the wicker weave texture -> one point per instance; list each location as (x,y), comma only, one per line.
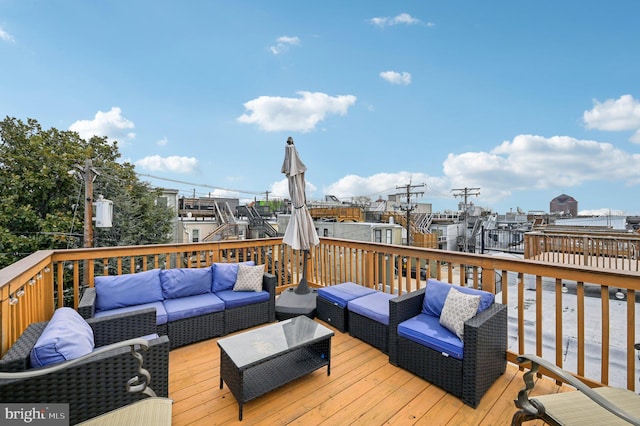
(332,314)
(370,331)
(194,329)
(95,386)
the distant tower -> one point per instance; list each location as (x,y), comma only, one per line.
(564,204)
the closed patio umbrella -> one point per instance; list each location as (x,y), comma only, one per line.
(300,233)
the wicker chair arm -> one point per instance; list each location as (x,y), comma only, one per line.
(402,308)
(87,304)
(129,325)
(535,407)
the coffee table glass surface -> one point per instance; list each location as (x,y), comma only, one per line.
(256,346)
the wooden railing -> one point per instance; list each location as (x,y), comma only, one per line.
(541,312)
(612,250)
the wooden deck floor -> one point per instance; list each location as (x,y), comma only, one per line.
(363,389)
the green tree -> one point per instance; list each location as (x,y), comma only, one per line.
(42,204)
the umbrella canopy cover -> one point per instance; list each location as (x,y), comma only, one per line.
(300,233)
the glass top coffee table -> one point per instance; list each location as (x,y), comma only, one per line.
(257,361)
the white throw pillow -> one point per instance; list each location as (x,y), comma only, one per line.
(249,278)
(458,308)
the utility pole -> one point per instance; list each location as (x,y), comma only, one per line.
(267,194)
(465,192)
(88,176)
(409,208)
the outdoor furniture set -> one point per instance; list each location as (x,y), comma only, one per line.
(454,337)
(192,304)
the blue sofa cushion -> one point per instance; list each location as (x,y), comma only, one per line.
(161,313)
(427,331)
(66,336)
(118,291)
(233,299)
(225,275)
(374,306)
(181,282)
(193,306)
(341,294)
(436,294)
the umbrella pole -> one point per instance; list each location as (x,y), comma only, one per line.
(303,286)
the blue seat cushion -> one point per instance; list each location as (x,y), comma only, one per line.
(66,336)
(341,294)
(225,275)
(181,282)
(436,294)
(374,306)
(233,299)
(161,313)
(427,331)
(192,306)
(118,291)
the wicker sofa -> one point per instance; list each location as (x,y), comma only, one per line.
(465,368)
(192,304)
(94,383)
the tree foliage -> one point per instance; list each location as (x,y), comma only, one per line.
(42,204)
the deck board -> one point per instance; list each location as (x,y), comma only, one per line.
(363,389)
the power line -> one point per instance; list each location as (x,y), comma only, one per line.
(203,185)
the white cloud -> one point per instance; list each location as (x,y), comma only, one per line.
(273,113)
(382,183)
(526,163)
(615,115)
(283,44)
(163,142)
(5,36)
(403,18)
(175,164)
(395,77)
(110,124)
(535,162)
(280,189)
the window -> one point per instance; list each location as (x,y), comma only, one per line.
(377,236)
(326,232)
(195,235)
(389,236)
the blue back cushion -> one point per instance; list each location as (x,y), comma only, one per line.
(182,282)
(225,275)
(436,294)
(66,336)
(118,291)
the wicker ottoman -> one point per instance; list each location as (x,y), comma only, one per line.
(369,319)
(332,303)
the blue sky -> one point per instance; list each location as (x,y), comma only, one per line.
(524,100)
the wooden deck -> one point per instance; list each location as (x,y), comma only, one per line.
(363,389)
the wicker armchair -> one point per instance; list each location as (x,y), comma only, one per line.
(484,356)
(95,383)
(586,406)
